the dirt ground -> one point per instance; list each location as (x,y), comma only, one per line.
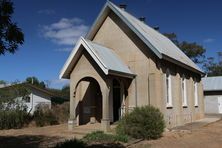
(204,137)
(209,136)
(34,136)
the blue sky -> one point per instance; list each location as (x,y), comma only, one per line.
(51,28)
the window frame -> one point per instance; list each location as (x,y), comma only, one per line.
(184,91)
(168,81)
(27,99)
(196,98)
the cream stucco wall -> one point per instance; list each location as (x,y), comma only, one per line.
(149,85)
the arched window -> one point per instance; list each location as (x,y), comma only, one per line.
(168,89)
(195,93)
(184,91)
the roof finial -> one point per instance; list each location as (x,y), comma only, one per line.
(123,6)
(157,28)
(142,19)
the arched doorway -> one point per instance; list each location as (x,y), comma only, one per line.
(89,101)
(116,100)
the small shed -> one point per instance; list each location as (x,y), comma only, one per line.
(213,94)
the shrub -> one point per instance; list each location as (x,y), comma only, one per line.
(44,116)
(61,111)
(143,122)
(101,137)
(71,144)
(13,119)
(121,138)
(13,115)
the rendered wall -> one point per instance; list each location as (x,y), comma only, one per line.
(149,85)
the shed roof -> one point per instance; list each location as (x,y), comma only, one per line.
(158,43)
(106,59)
(212,83)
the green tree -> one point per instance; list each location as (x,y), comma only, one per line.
(66,92)
(193,50)
(212,67)
(61,95)
(11,35)
(2,82)
(35,81)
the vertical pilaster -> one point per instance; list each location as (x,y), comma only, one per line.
(72,117)
(105,123)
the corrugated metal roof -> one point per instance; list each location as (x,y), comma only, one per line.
(110,60)
(106,59)
(158,42)
(212,83)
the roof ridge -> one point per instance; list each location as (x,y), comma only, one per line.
(162,46)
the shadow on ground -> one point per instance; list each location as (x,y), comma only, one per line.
(26,141)
(108,145)
(39,141)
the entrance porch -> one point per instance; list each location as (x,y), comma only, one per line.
(94,103)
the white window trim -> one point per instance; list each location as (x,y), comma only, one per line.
(169,93)
(195,94)
(184,91)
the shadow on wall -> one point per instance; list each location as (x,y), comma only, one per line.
(90,105)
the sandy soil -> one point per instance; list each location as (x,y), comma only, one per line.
(204,137)
(209,136)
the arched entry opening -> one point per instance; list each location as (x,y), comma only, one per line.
(89,101)
(117,99)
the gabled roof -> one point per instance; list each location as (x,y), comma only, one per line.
(158,43)
(212,83)
(105,58)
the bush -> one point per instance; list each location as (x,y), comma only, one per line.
(44,116)
(71,144)
(101,137)
(14,117)
(61,112)
(143,122)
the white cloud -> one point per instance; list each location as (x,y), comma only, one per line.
(65,31)
(66,49)
(208,40)
(46,11)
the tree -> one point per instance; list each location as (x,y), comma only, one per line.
(66,92)
(61,95)
(213,68)
(11,35)
(35,81)
(2,82)
(193,50)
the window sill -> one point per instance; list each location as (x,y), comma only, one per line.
(185,106)
(169,106)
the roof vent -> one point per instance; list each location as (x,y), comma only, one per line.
(142,19)
(157,28)
(123,6)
